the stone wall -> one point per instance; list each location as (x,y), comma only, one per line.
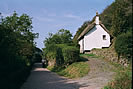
(110,55)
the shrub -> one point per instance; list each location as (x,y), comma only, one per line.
(70,54)
(50,52)
(124,44)
(14,72)
(53,53)
(62,54)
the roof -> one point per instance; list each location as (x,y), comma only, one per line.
(86,30)
(90,27)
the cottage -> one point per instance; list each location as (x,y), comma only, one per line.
(95,35)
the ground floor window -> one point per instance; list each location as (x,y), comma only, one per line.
(104,37)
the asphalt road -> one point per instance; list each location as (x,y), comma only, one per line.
(41,78)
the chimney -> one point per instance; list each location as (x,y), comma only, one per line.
(97,18)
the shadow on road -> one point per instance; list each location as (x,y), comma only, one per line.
(41,78)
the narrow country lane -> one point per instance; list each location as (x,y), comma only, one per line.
(41,78)
(100,74)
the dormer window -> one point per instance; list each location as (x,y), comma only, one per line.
(104,37)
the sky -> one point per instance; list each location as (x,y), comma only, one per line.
(49,16)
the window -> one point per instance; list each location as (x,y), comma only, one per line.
(104,37)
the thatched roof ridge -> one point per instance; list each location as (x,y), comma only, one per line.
(86,30)
(89,27)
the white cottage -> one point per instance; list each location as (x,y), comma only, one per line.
(95,35)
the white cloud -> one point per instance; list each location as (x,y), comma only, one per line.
(60,25)
(72,16)
(44,19)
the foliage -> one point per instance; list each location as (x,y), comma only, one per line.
(61,37)
(124,44)
(75,70)
(37,57)
(117,18)
(106,16)
(70,54)
(62,54)
(16,49)
(121,20)
(60,48)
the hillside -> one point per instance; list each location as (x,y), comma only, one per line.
(119,11)
(117,18)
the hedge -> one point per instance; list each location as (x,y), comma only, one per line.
(62,54)
(124,44)
(70,54)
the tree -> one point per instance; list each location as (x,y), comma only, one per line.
(121,22)
(124,47)
(61,37)
(20,24)
(16,49)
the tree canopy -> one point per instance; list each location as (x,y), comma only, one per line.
(61,37)
(16,49)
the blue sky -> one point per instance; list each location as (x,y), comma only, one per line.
(52,15)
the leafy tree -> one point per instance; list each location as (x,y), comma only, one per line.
(124,47)
(55,51)
(106,16)
(121,18)
(61,37)
(16,49)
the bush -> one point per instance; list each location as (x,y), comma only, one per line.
(14,72)
(61,54)
(124,44)
(70,54)
(50,52)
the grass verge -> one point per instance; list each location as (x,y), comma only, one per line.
(89,55)
(75,70)
(123,78)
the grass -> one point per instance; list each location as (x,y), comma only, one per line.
(123,78)
(75,70)
(89,55)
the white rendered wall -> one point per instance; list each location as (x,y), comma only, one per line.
(94,38)
(81,46)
